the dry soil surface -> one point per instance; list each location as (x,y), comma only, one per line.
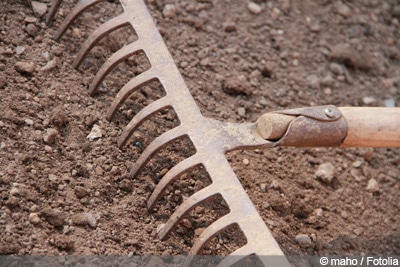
(62,193)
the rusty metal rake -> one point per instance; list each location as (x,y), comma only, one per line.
(212,138)
(209,137)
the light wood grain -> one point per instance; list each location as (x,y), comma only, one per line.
(372,127)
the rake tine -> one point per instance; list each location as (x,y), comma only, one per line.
(182,167)
(197,198)
(155,146)
(81,7)
(122,54)
(212,230)
(107,27)
(138,119)
(128,89)
(52,12)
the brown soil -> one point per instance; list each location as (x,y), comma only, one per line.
(61,193)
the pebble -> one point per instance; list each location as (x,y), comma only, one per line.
(313,81)
(19,50)
(186,223)
(325,172)
(52,177)
(357,163)
(246,161)
(82,219)
(344,10)
(50,136)
(169,11)
(328,80)
(389,103)
(267,70)
(357,231)
(39,8)
(315,28)
(372,186)
(161,226)
(368,100)
(263,187)
(319,213)
(336,68)
(51,65)
(229,26)
(356,175)
(95,133)
(254,8)
(241,111)
(303,240)
(28,122)
(34,218)
(24,67)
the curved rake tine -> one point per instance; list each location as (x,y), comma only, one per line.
(156,145)
(182,167)
(52,12)
(78,9)
(107,27)
(197,198)
(212,230)
(138,119)
(128,89)
(122,54)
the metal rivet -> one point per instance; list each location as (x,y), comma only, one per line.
(329,112)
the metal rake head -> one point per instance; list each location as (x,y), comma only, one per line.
(211,138)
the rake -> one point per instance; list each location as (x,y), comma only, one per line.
(322,126)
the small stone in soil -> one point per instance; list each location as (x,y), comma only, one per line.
(303,240)
(52,64)
(336,68)
(254,8)
(50,136)
(34,218)
(169,11)
(241,112)
(344,10)
(372,186)
(313,81)
(325,172)
(24,67)
(95,133)
(39,8)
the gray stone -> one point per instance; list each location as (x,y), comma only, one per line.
(39,8)
(325,172)
(336,68)
(304,240)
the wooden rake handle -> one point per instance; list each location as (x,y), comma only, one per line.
(329,126)
(371,127)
